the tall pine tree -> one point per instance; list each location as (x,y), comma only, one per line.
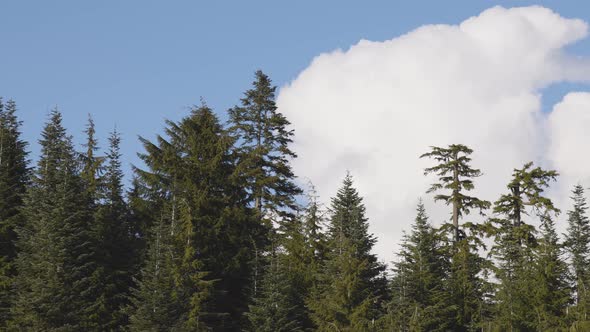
(114,253)
(352,286)
(551,279)
(420,299)
(210,226)
(54,288)
(514,244)
(264,137)
(467,287)
(13,182)
(577,246)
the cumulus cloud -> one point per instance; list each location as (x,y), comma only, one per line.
(374,108)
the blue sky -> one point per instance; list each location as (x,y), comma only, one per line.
(135,63)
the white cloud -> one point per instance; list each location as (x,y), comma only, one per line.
(374,108)
(569,132)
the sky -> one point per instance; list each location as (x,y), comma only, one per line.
(367,85)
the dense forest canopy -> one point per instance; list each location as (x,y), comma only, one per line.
(215,233)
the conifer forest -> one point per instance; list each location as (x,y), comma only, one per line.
(214,232)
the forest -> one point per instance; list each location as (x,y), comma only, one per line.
(215,233)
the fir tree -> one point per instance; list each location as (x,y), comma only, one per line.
(91,164)
(420,298)
(13,182)
(551,279)
(276,306)
(264,137)
(155,304)
(55,260)
(114,242)
(210,226)
(352,286)
(514,243)
(465,282)
(576,244)
(455,174)
(303,251)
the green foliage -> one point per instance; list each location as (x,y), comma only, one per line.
(465,282)
(54,288)
(577,247)
(515,244)
(455,175)
(551,279)
(351,287)
(420,298)
(276,307)
(211,229)
(13,181)
(264,137)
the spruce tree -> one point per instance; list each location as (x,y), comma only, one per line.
(577,246)
(264,137)
(551,279)
(54,288)
(514,244)
(465,282)
(114,242)
(420,298)
(13,182)
(301,252)
(92,165)
(352,287)
(155,303)
(276,307)
(210,225)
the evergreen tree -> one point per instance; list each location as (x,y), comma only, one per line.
(92,165)
(55,259)
(552,289)
(514,244)
(264,139)
(576,244)
(420,298)
(114,242)
(302,252)
(155,303)
(352,287)
(276,308)
(263,136)
(13,182)
(465,282)
(210,226)
(455,174)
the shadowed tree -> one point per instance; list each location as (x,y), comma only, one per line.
(13,182)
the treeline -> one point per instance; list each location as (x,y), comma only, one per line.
(211,235)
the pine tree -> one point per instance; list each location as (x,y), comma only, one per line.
(302,251)
(265,137)
(92,165)
(210,226)
(551,280)
(455,174)
(54,263)
(114,242)
(13,182)
(352,286)
(577,246)
(420,298)
(155,303)
(514,243)
(465,282)
(276,308)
